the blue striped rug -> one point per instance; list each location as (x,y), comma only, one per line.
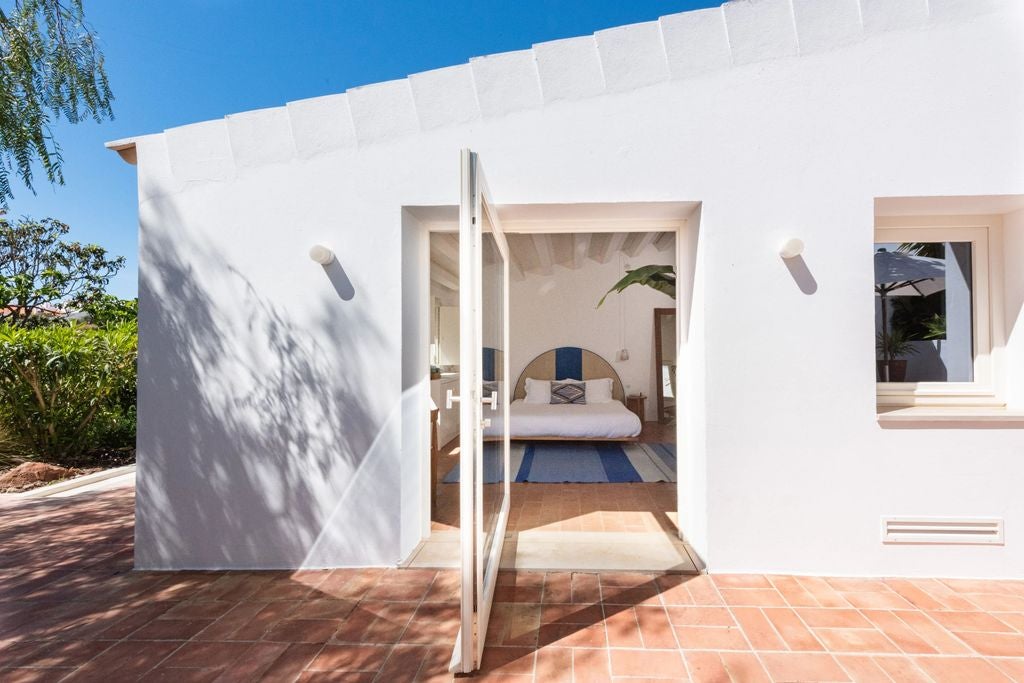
(582,462)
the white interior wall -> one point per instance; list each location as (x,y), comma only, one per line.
(548,311)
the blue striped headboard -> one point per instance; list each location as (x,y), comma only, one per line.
(569,362)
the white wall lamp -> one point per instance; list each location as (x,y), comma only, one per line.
(321,254)
(791,248)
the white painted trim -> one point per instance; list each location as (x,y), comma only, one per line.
(562,225)
(983,232)
(947,414)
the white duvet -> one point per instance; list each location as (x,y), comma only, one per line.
(589,421)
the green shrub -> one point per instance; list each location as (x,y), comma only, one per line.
(65,389)
(10,449)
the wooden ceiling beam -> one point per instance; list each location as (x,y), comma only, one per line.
(665,241)
(562,248)
(445,244)
(580,247)
(542,244)
(444,277)
(637,242)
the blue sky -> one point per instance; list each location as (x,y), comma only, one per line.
(172,63)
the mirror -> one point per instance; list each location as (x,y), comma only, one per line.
(665,363)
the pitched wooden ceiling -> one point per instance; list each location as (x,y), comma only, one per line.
(538,253)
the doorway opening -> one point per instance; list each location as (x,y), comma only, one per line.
(601,496)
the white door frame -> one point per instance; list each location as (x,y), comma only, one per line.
(562,226)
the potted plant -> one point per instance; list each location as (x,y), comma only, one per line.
(891,367)
(935,327)
(435,372)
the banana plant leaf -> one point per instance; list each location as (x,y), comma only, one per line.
(661,278)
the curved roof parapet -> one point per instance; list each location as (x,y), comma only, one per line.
(614,60)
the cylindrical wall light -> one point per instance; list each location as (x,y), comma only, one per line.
(321,254)
(791,248)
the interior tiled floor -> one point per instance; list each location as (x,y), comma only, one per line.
(70,610)
(573,507)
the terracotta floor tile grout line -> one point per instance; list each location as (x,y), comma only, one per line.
(398,638)
(604,620)
(871,627)
(72,609)
(941,628)
(675,636)
(732,615)
(124,639)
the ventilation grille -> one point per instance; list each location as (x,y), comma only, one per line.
(943,530)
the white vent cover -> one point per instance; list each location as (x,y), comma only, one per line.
(943,530)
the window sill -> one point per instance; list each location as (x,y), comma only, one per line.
(954,416)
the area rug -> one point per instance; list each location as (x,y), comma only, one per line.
(582,462)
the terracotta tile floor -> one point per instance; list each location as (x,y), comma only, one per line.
(70,609)
(573,507)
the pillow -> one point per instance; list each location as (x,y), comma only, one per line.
(599,390)
(568,392)
(538,391)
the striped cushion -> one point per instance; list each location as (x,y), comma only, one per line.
(568,392)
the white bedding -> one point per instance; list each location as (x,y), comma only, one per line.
(589,421)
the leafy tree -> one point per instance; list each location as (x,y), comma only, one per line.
(39,270)
(108,309)
(50,69)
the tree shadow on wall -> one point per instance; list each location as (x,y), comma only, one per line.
(257,445)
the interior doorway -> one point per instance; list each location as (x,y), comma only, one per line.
(623,513)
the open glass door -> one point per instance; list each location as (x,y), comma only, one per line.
(484,438)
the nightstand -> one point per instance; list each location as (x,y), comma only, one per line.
(635,403)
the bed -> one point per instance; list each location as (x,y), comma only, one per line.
(609,421)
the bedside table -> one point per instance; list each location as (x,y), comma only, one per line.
(635,403)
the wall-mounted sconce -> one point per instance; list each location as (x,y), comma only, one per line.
(321,254)
(623,354)
(791,248)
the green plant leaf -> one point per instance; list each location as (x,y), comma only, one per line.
(661,278)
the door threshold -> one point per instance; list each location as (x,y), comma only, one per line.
(596,551)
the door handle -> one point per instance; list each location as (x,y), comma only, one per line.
(450,398)
(493,401)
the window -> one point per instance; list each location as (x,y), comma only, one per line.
(924,321)
(933,336)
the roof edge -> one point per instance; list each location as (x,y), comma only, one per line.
(125,148)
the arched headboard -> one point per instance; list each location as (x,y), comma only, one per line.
(569,362)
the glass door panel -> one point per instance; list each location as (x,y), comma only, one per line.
(484,455)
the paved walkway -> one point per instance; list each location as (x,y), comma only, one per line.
(71,609)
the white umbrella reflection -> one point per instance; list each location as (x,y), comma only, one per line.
(902,274)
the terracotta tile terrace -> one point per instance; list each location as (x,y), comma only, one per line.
(71,609)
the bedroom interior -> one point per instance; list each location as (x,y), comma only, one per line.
(592,414)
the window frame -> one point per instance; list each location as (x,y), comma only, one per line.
(983,232)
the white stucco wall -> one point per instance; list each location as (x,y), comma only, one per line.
(271,391)
(1013,268)
(548,311)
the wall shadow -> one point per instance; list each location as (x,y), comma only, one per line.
(339,280)
(801,274)
(254,441)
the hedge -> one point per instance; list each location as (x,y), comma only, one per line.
(66,389)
